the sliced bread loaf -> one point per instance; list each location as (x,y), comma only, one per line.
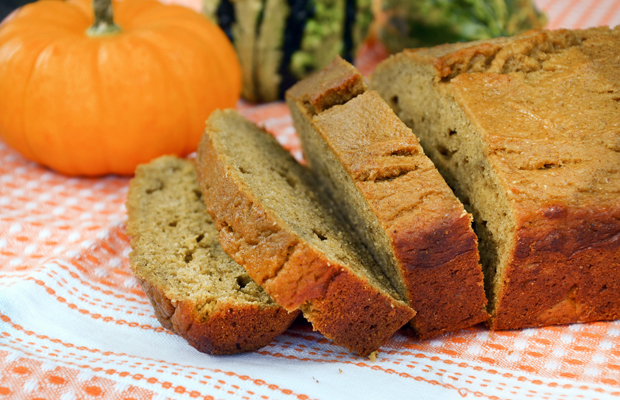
(196,289)
(526,130)
(391,193)
(274,221)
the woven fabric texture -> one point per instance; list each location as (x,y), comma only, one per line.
(75,324)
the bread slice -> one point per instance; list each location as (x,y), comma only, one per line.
(196,289)
(392,194)
(526,131)
(273,220)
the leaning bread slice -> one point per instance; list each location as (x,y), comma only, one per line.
(526,131)
(274,222)
(392,194)
(196,289)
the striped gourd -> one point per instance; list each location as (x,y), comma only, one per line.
(281,41)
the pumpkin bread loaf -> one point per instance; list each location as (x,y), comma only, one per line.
(274,221)
(526,130)
(377,173)
(196,289)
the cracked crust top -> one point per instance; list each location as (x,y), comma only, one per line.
(525,130)
(392,194)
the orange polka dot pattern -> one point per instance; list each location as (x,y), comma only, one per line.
(74,323)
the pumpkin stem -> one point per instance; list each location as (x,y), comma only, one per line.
(104,19)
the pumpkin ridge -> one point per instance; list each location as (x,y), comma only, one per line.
(218,63)
(103,105)
(216,60)
(165,63)
(217,67)
(128,12)
(71,108)
(228,70)
(156,13)
(30,149)
(56,149)
(84,7)
(38,28)
(95,159)
(31,17)
(191,140)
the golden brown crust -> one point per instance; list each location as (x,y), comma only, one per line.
(565,268)
(413,204)
(329,87)
(356,315)
(563,260)
(224,324)
(498,55)
(289,270)
(445,282)
(542,105)
(292,271)
(230,327)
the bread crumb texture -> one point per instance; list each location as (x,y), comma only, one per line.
(196,289)
(390,192)
(274,220)
(526,130)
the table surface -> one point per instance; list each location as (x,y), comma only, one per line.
(74,323)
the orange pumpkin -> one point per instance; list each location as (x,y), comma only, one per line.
(106,100)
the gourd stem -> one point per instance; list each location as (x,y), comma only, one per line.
(104,19)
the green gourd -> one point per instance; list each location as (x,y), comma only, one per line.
(425,23)
(282,41)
